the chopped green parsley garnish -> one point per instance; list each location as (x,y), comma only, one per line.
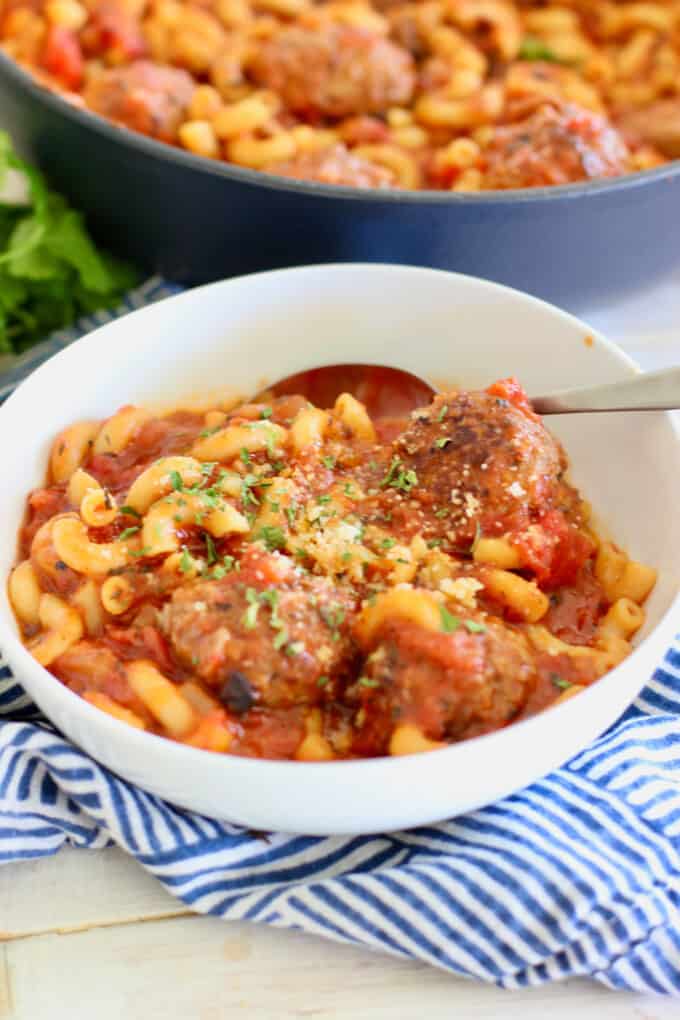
(441,442)
(532,48)
(322,681)
(244,455)
(128,532)
(349,488)
(210,547)
(280,639)
(186,562)
(140,552)
(248,497)
(391,472)
(130,511)
(559,682)
(346,557)
(209,432)
(250,615)
(290,513)
(387,543)
(176,481)
(367,681)
(295,648)
(475,628)
(443,412)
(448,621)
(433,543)
(266,412)
(444,512)
(324,499)
(328,462)
(272,537)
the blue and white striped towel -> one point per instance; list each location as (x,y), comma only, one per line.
(577,875)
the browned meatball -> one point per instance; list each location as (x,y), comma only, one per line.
(264,635)
(657,125)
(143,96)
(334,71)
(554,145)
(471,462)
(336,165)
(450,685)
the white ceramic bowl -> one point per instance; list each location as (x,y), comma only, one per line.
(447,328)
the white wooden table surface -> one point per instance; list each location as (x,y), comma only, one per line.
(88,934)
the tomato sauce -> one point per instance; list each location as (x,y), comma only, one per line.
(269,627)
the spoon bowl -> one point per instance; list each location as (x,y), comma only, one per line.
(389,391)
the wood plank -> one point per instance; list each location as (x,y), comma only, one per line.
(79,889)
(5,987)
(203,969)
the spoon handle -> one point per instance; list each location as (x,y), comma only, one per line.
(650,391)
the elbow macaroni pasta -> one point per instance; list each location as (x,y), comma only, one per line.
(325,560)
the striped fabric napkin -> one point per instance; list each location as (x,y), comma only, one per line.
(577,875)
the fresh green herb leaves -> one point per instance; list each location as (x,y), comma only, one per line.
(186,561)
(176,481)
(442,441)
(532,48)
(210,548)
(367,681)
(272,537)
(443,411)
(248,497)
(128,532)
(250,615)
(129,511)
(475,628)
(333,616)
(322,681)
(559,682)
(399,477)
(449,623)
(50,270)
(387,543)
(328,462)
(266,412)
(290,513)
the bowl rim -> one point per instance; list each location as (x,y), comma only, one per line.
(665,628)
(24,79)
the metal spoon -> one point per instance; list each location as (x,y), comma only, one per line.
(401,391)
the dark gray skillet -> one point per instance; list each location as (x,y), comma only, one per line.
(196,220)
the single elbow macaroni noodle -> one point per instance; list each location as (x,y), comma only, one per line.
(117,432)
(98,508)
(75,549)
(226,444)
(161,478)
(412,604)
(62,627)
(71,448)
(164,519)
(25,593)
(353,414)
(523,597)
(161,697)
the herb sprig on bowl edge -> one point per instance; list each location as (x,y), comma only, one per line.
(51,271)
